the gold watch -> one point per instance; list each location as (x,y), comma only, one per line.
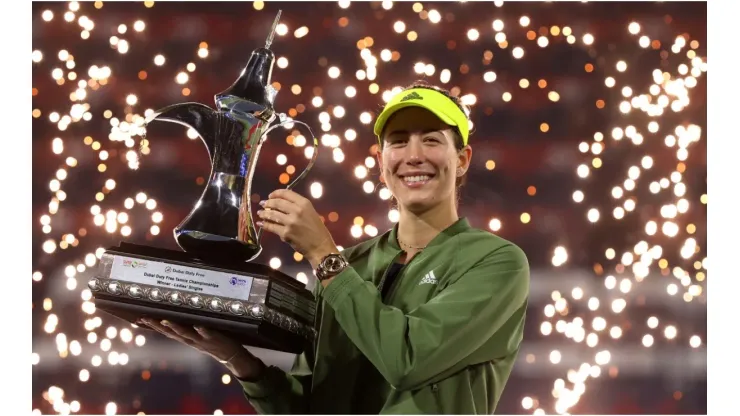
(330,266)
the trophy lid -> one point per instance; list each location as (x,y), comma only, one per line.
(253,84)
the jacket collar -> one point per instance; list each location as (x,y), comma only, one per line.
(459,226)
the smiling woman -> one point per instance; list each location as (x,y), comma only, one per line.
(384,133)
(427,318)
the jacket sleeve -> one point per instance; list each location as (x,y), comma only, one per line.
(412,349)
(278,392)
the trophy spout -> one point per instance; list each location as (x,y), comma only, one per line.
(201,118)
(271,36)
(252,92)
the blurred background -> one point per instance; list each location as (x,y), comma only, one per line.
(589,152)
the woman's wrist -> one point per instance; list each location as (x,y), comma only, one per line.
(326,247)
(246,367)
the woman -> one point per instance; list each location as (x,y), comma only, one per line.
(425,318)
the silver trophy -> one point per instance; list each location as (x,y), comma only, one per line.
(221,223)
(214,281)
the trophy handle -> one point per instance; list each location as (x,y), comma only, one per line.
(315,143)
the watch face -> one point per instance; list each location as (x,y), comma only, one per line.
(333,263)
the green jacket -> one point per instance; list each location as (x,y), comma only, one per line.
(444,341)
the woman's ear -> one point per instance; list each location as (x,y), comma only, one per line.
(463,160)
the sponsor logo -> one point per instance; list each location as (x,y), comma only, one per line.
(413,96)
(429,279)
(237,281)
(134,264)
(168,269)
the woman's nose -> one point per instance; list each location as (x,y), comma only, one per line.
(415,150)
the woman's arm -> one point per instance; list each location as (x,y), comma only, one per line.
(280,392)
(274,391)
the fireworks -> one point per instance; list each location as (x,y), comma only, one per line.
(650,144)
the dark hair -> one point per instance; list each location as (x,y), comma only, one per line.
(459,182)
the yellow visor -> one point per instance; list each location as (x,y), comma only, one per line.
(432,100)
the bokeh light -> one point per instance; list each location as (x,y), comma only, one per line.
(632,179)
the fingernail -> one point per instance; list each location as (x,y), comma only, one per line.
(165,322)
(258,223)
(199,328)
(262,203)
(260,212)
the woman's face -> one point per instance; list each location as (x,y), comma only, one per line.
(419,162)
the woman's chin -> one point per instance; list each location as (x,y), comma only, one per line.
(417,203)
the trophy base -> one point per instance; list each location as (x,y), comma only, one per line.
(252,303)
(251,334)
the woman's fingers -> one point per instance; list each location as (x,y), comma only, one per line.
(274,228)
(282,205)
(271,215)
(182,331)
(167,332)
(172,329)
(203,339)
(206,333)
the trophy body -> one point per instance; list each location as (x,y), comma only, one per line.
(215,282)
(220,226)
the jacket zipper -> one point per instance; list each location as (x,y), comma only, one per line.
(385,274)
(435,391)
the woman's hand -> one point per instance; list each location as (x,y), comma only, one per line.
(293,218)
(219,346)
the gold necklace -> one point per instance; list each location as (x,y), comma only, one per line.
(402,244)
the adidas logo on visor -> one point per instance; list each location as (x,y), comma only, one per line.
(413,96)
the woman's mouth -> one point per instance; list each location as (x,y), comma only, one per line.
(416,181)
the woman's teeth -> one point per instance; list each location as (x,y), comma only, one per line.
(416,179)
